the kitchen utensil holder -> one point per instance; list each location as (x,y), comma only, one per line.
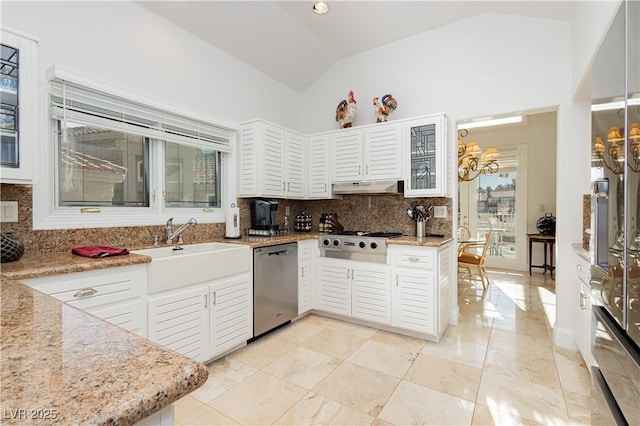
(421,228)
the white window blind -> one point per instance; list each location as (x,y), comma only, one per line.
(82,105)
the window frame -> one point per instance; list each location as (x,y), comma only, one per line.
(48,214)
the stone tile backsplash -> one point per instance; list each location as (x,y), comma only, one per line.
(385,213)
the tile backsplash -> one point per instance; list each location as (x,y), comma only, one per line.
(384,213)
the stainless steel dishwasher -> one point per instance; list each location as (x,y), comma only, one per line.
(275,286)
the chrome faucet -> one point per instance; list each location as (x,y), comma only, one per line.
(171,235)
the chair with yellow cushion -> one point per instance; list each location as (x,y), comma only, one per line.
(473,256)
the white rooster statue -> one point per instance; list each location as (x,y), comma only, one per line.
(346,111)
(384,107)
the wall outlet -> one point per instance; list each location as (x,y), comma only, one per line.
(8,211)
(440,212)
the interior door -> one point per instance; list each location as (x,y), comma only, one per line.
(499,202)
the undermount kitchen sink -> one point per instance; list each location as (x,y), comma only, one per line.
(195,263)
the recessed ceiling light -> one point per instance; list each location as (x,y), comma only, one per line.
(494,122)
(321,7)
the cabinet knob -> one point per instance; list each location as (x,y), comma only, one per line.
(414,259)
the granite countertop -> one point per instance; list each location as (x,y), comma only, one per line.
(63,366)
(33,265)
(406,240)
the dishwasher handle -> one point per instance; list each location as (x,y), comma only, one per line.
(279,253)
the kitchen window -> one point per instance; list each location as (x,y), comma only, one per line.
(121,162)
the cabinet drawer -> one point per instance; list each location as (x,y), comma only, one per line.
(412,258)
(91,289)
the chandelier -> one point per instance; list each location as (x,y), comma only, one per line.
(472,162)
(616,149)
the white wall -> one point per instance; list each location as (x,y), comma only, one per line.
(129,47)
(489,64)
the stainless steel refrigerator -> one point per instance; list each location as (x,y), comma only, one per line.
(615,222)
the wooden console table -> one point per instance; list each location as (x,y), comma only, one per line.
(547,240)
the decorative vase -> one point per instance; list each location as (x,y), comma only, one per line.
(10,247)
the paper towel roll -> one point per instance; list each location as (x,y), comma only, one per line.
(233,222)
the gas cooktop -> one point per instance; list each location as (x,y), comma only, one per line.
(369,234)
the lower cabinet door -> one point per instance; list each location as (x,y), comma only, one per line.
(130,316)
(304,286)
(230,313)
(415,301)
(371,293)
(179,321)
(334,286)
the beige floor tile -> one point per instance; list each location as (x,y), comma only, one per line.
(303,367)
(379,422)
(457,350)
(574,378)
(384,357)
(185,406)
(223,374)
(262,352)
(318,320)
(540,403)
(258,400)
(485,416)
(519,342)
(334,343)
(578,407)
(533,367)
(414,404)
(409,344)
(473,333)
(316,409)
(297,332)
(355,329)
(205,415)
(363,389)
(523,325)
(571,356)
(450,377)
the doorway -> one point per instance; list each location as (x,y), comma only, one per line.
(511,200)
(497,202)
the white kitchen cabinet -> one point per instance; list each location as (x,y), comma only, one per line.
(18,115)
(179,320)
(334,286)
(357,289)
(382,160)
(307,254)
(367,154)
(422,288)
(583,324)
(319,178)
(294,154)
(231,322)
(427,153)
(371,292)
(115,295)
(272,161)
(346,155)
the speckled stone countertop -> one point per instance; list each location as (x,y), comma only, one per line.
(33,265)
(419,242)
(62,366)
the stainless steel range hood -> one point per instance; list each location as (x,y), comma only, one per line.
(377,187)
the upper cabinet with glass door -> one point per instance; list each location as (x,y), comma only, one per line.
(18,89)
(426,156)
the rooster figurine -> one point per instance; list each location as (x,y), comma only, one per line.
(384,107)
(346,111)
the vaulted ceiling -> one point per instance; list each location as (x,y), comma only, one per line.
(290,43)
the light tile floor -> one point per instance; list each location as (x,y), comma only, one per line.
(497,366)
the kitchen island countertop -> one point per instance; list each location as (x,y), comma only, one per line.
(406,240)
(63,366)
